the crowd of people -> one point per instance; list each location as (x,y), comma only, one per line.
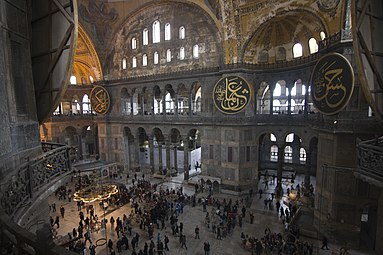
(155,208)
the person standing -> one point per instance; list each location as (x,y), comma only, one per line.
(251,217)
(219,237)
(206,248)
(196,231)
(62,211)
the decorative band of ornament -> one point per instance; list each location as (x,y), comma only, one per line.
(332,83)
(232,94)
(100,100)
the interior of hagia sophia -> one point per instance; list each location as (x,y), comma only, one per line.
(223,94)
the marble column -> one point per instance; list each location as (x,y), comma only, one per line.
(152,105)
(151,154)
(167,145)
(190,113)
(137,150)
(186,159)
(163,104)
(272,98)
(131,105)
(305,110)
(142,104)
(176,105)
(289,100)
(175,157)
(281,151)
(160,156)
(308,169)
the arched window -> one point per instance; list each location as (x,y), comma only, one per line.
(277,90)
(288,154)
(91,77)
(273,138)
(124,63)
(134,43)
(73,80)
(169,103)
(75,107)
(293,90)
(85,104)
(302,155)
(313,45)
(281,54)
(195,51)
(134,62)
(303,89)
(297,50)
(168,55)
(181,32)
(276,105)
(156,32)
(274,153)
(145,37)
(182,53)
(322,35)
(290,138)
(144,60)
(263,56)
(168,34)
(155,58)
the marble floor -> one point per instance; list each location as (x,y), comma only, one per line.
(190,217)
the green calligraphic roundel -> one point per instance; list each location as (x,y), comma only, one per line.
(232,94)
(332,83)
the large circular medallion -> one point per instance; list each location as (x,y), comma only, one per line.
(332,83)
(100,100)
(231,94)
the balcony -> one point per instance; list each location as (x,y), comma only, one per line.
(24,190)
(370,161)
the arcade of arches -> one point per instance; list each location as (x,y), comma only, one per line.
(159,62)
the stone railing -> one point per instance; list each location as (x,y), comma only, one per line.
(27,181)
(370,161)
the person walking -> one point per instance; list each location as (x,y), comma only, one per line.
(110,245)
(324,243)
(166,243)
(183,244)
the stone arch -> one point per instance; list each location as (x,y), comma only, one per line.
(126,102)
(196,97)
(183,97)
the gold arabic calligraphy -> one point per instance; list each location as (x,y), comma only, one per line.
(100,100)
(231,94)
(329,86)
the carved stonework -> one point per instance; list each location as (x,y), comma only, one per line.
(31,177)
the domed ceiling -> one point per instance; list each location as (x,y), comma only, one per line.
(86,63)
(285,29)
